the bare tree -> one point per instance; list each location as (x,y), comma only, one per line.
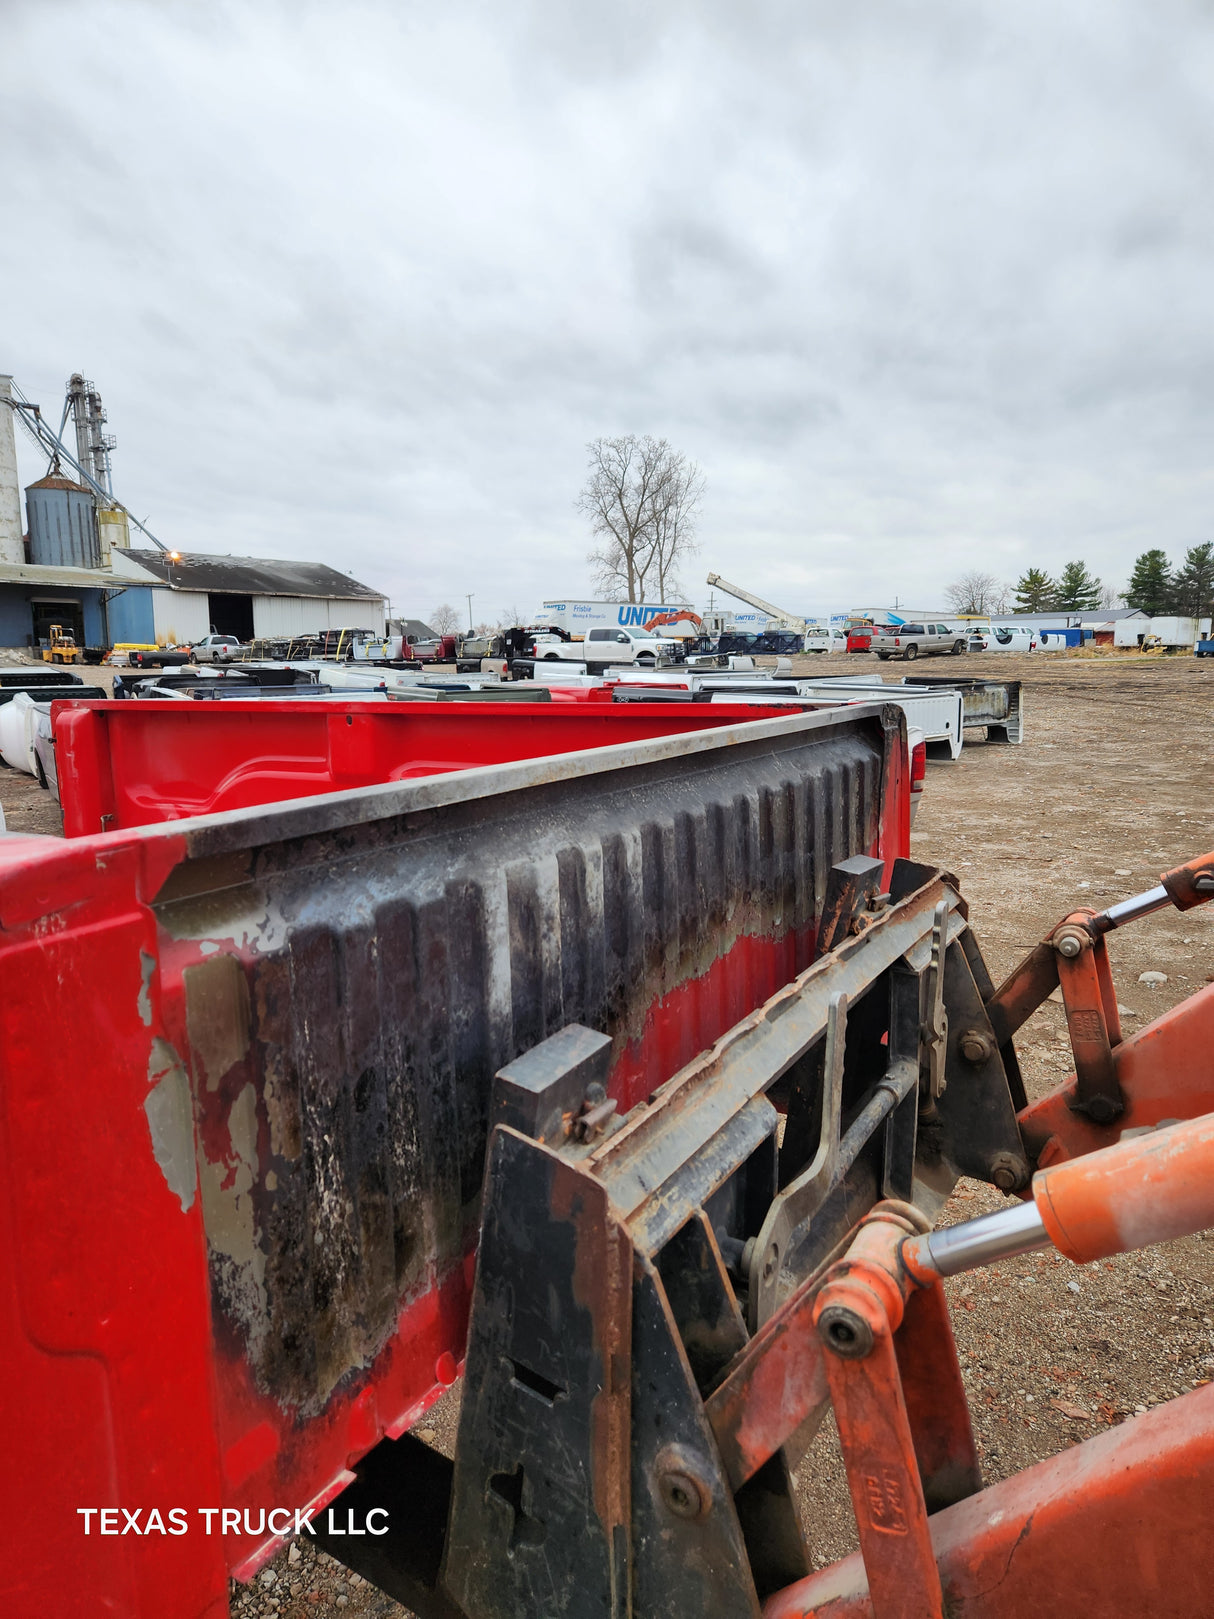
(509,617)
(641,496)
(444,620)
(616,498)
(977,592)
(675,505)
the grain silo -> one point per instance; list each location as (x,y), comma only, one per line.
(112,530)
(62,524)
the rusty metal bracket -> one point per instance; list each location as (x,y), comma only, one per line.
(1092,1019)
(551,1091)
(540,1506)
(935,1024)
(851,887)
(1074,956)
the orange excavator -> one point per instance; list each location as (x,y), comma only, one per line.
(680,616)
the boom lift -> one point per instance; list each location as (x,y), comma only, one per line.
(790,621)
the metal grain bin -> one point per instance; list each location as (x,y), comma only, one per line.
(62,524)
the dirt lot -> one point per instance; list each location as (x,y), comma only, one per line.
(1111,786)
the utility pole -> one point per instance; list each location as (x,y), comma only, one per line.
(470,595)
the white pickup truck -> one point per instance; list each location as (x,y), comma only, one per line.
(610,645)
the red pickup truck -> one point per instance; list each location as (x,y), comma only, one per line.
(442,649)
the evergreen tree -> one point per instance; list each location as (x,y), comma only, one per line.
(1151,585)
(1193,586)
(1077,590)
(1035,591)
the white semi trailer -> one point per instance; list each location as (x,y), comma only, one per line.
(577,618)
(1162,631)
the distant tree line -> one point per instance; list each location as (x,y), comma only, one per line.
(1155,587)
(1158,588)
(1074,591)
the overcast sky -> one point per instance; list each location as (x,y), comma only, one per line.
(921,286)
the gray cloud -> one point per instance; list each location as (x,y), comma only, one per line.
(917,286)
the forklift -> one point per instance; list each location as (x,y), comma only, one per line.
(62,647)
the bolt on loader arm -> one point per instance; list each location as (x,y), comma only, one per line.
(1073,957)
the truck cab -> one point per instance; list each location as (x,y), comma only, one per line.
(621,645)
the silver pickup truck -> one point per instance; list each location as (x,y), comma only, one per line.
(915,640)
(215,649)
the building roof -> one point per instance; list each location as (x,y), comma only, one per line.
(27,573)
(415,627)
(1084,615)
(252,576)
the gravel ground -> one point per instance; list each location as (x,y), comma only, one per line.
(1110,788)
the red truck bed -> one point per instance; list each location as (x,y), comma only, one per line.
(124,764)
(246,1065)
